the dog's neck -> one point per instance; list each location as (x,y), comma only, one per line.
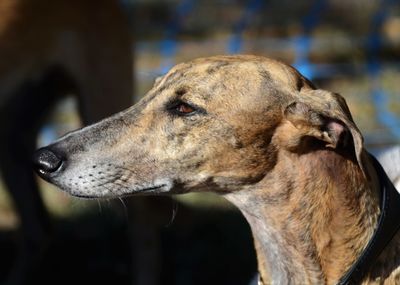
(311,217)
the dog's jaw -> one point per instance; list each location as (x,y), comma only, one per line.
(109,180)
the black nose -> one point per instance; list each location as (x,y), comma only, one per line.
(46,161)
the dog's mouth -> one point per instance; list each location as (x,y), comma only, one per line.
(150,190)
(143,191)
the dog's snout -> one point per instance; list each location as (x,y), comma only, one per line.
(47,161)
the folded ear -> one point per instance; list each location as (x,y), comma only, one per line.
(325,116)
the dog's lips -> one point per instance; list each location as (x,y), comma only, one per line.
(142,191)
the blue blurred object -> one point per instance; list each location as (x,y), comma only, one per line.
(235,43)
(169,46)
(302,43)
(379,96)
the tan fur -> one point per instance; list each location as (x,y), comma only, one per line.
(287,155)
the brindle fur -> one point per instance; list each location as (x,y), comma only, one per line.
(288,155)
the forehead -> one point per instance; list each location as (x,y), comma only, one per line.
(239,73)
(206,72)
(212,80)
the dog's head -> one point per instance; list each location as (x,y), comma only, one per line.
(207,124)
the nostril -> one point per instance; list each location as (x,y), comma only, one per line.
(46,161)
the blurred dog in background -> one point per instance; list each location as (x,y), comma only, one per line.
(49,49)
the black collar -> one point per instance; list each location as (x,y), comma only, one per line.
(388,225)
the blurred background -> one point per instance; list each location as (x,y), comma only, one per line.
(347,46)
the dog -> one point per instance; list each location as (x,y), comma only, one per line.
(257,132)
(50,49)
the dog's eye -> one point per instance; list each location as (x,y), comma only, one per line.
(184,108)
(181,108)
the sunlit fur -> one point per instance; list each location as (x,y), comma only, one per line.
(288,155)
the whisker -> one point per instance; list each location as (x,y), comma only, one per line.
(99,204)
(124,207)
(174,212)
